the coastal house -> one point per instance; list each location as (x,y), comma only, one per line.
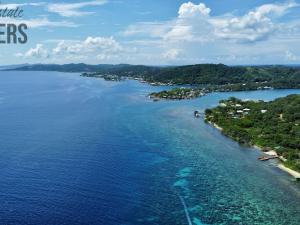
(267,88)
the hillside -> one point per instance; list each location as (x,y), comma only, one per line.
(219,74)
(270,125)
(109,69)
(201,74)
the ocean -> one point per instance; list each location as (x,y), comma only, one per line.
(76,150)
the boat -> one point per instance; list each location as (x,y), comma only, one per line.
(196,113)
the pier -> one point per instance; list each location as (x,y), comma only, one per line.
(265,158)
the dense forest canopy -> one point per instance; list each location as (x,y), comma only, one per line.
(274,125)
(201,74)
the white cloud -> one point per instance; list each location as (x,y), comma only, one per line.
(152,29)
(19,54)
(63,9)
(90,45)
(38,52)
(39,22)
(171,54)
(45,22)
(260,36)
(254,26)
(89,50)
(191,24)
(180,32)
(277,9)
(290,56)
(194,23)
(73,9)
(190,10)
(15,5)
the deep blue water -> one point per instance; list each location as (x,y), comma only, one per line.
(77,150)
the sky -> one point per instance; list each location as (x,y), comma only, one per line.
(156,32)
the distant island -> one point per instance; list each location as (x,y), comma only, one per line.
(271,126)
(206,78)
(178,94)
(195,92)
(203,78)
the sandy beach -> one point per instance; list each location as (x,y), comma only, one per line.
(216,126)
(293,173)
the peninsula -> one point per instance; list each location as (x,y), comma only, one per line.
(205,78)
(178,94)
(201,78)
(272,126)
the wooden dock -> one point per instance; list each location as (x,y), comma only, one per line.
(265,158)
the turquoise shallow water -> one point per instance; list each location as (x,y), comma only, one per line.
(79,150)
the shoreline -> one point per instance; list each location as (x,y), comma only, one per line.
(291,172)
(216,126)
(272,152)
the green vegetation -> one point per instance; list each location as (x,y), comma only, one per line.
(227,77)
(269,125)
(124,70)
(207,78)
(188,93)
(223,78)
(105,77)
(238,78)
(178,94)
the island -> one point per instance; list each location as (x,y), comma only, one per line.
(212,77)
(273,127)
(106,77)
(178,94)
(205,78)
(196,92)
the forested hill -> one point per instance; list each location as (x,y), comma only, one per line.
(221,74)
(213,74)
(80,67)
(271,125)
(107,69)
